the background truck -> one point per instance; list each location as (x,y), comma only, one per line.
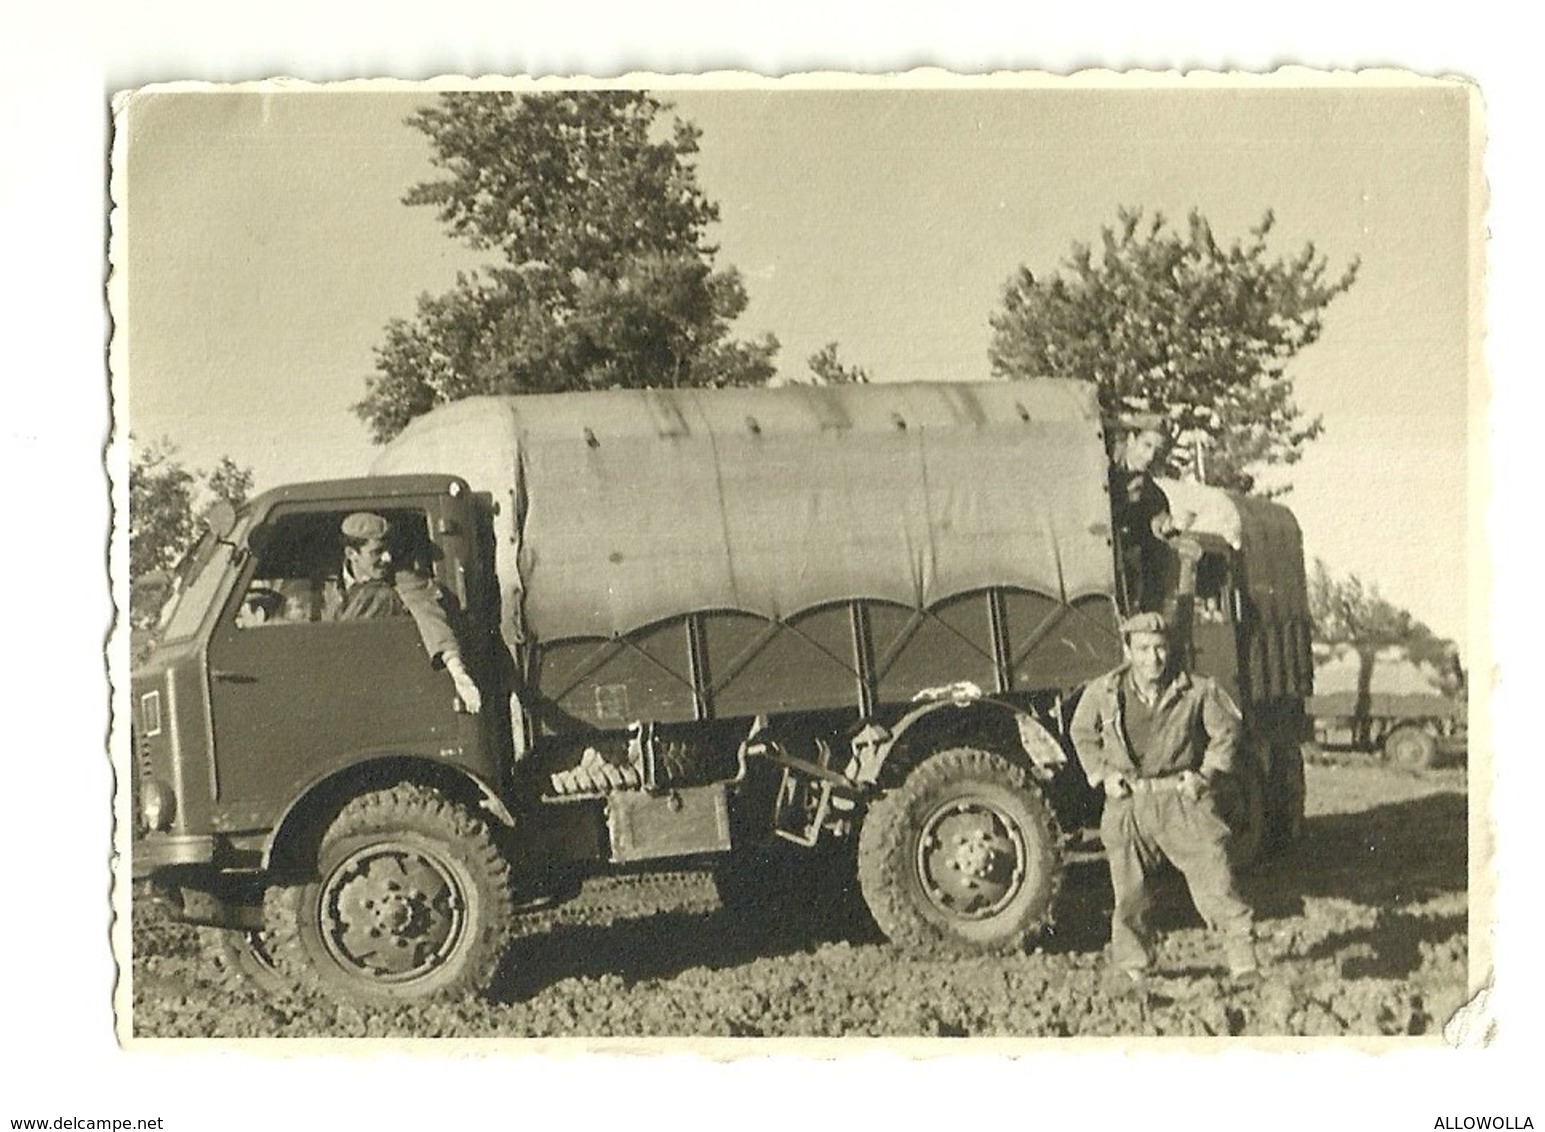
(1413,714)
(824,641)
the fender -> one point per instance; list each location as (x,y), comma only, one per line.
(350,780)
(874,746)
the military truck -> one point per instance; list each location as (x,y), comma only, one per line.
(822,641)
(1413,714)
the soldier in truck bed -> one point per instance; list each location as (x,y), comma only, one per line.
(1139,509)
(372,587)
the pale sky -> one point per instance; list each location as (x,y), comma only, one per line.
(268,247)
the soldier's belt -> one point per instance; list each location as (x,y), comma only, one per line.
(1163,784)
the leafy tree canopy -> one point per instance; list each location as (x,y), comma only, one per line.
(603,275)
(1349,611)
(1176,323)
(827,368)
(229,481)
(164,498)
(160,509)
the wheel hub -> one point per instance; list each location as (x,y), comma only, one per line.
(975,855)
(971,859)
(392,913)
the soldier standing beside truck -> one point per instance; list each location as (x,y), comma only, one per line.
(1154,739)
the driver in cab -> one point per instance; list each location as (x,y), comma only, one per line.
(371,587)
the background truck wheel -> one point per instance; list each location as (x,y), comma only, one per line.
(963,857)
(411,900)
(244,955)
(1285,796)
(1412,746)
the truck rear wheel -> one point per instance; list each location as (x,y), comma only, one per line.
(964,857)
(411,900)
(1412,746)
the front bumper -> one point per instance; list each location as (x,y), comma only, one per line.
(157,851)
(193,891)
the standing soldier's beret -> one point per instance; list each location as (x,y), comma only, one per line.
(365,525)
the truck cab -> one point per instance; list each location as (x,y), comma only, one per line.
(255,695)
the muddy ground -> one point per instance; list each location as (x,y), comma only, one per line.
(1363,926)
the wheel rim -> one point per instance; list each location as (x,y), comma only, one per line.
(1408,748)
(971,859)
(392,913)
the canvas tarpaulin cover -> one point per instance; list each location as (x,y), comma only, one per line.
(622,508)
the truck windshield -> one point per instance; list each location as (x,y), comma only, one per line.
(196,581)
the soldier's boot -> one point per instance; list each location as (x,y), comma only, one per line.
(1244,966)
(1122,982)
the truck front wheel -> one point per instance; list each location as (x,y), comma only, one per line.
(410,900)
(964,857)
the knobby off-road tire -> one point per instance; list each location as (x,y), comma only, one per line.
(245,957)
(410,901)
(963,858)
(1412,746)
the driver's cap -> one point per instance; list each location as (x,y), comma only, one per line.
(365,525)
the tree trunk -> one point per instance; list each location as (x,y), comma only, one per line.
(1362,707)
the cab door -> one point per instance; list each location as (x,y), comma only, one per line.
(295,693)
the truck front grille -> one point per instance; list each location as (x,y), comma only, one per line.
(139,773)
(141,753)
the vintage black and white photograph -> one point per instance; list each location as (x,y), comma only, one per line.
(926,557)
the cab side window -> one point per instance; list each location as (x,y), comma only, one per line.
(298,575)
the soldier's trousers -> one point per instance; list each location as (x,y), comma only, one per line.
(1139,832)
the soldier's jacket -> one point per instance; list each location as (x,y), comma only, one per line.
(1195,727)
(408,596)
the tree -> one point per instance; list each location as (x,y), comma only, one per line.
(603,276)
(1177,324)
(229,481)
(827,369)
(160,509)
(1347,611)
(164,497)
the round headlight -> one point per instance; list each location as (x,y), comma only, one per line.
(156,805)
